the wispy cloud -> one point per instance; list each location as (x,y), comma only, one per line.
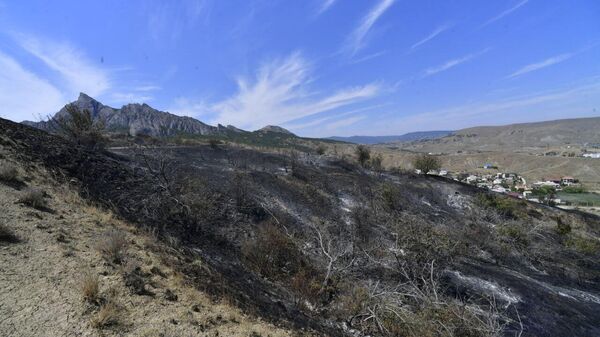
(431,36)
(280,93)
(561,102)
(344,122)
(70,63)
(368,57)
(167,20)
(356,40)
(295,125)
(24,95)
(543,64)
(325,5)
(505,13)
(452,63)
(129,97)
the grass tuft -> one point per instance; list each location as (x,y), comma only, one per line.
(9,173)
(113,246)
(90,287)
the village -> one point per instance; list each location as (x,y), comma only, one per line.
(546,191)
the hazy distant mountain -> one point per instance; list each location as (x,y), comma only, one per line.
(141,118)
(579,131)
(407,137)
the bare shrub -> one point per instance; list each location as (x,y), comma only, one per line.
(214,143)
(272,253)
(80,127)
(90,287)
(7,235)
(35,198)
(113,246)
(376,163)
(363,154)
(426,163)
(9,173)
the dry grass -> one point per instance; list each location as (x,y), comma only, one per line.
(90,287)
(113,246)
(108,315)
(8,173)
(35,198)
(7,235)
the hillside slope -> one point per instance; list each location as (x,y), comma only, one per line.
(517,137)
(317,243)
(56,249)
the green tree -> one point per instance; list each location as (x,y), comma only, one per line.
(427,163)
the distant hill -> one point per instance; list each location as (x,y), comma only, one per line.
(276,129)
(556,133)
(407,137)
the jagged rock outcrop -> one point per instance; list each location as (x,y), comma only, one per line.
(139,119)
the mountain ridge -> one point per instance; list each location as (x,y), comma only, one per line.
(136,118)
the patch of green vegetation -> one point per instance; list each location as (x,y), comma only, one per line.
(544,191)
(516,233)
(562,228)
(574,189)
(584,245)
(508,207)
(580,199)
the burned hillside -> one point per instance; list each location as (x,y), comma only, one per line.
(321,244)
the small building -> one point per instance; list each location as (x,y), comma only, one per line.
(568,180)
(499,189)
(488,166)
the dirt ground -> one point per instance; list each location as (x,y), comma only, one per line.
(41,275)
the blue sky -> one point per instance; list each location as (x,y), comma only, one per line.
(316,67)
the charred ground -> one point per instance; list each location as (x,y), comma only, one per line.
(322,244)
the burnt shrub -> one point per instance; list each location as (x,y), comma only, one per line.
(272,253)
(7,235)
(35,198)
(214,143)
(390,196)
(363,154)
(80,127)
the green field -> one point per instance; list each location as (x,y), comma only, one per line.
(580,199)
